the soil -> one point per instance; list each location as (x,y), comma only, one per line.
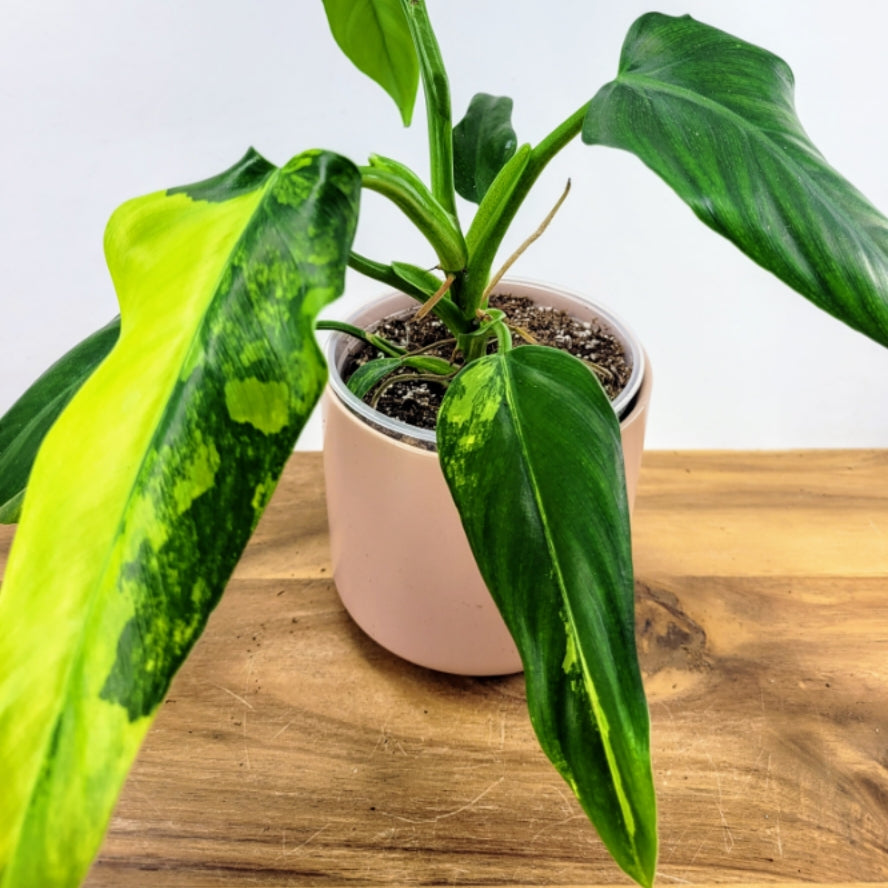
(417,402)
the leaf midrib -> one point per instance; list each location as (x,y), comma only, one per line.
(628,815)
(648,84)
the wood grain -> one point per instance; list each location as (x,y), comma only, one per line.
(294,751)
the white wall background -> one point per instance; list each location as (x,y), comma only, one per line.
(101,101)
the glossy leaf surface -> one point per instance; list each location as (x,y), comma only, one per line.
(483,141)
(131,528)
(530,447)
(715,117)
(24,426)
(376,38)
(369,375)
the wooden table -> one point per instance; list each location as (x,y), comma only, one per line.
(294,751)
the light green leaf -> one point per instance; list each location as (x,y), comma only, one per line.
(483,141)
(26,423)
(530,447)
(131,528)
(715,117)
(374,34)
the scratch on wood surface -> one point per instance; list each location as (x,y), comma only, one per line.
(136,788)
(447,814)
(246,744)
(673,878)
(286,852)
(555,825)
(388,743)
(496,730)
(236,696)
(281,731)
(779,837)
(728,836)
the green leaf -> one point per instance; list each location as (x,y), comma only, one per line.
(401,185)
(147,487)
(369,375)
(26,423)
(530,447)
(715,117)
(483,141)
(423,284)
(419,279)
(429,364)
(375,36)
(491,222)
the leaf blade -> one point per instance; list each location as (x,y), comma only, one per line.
(26,423)
(714,117)
(530,448)
(111,582)
(483,142)
(375,36)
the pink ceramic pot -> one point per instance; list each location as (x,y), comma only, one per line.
(401,562)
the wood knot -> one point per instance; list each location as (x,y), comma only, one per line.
(668,639)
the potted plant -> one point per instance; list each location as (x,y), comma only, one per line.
(147,486)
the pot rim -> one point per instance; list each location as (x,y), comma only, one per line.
(336,353)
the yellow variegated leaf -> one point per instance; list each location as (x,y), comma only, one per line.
(148,486)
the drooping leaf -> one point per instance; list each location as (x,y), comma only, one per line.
(147,487)
(715,117)
(375,36)
(25,424)
(483,141)
(530,447)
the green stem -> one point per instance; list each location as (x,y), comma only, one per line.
(484,253)
(372,339)
(436,89)
(503,337)
(385,274)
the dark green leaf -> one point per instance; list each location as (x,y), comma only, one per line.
(530,447)
(26,423)
(715,117)
(369,375)
(375,35)
(483,141)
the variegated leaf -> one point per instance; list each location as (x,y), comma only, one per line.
(530,447)
(148,486)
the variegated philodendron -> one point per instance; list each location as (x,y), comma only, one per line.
(148,484)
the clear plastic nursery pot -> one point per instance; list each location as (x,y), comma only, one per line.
(401,562)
